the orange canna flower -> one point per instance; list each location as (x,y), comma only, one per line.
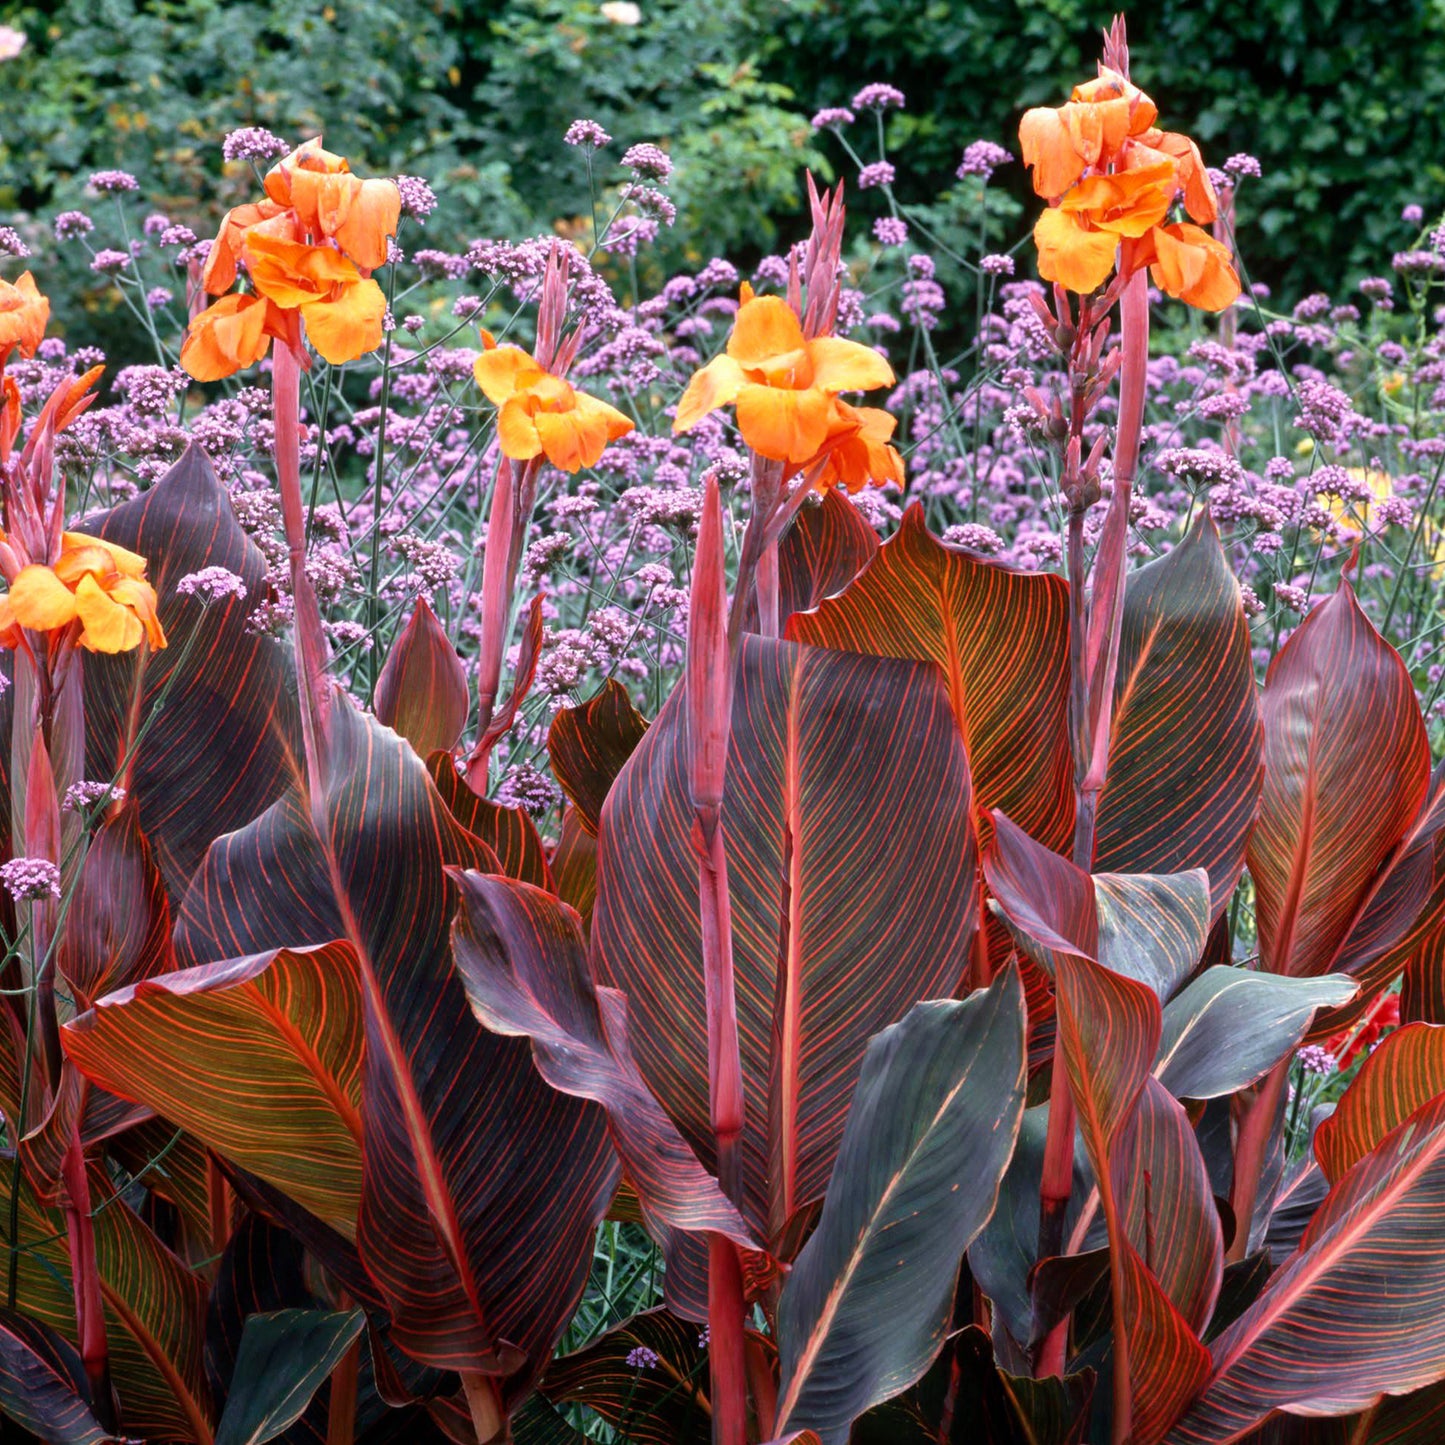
(1077,238)
(857,452)
(781,383)
(24,313)
(330,202)
(1061,144)
(343,311)
(94,583)
(539,414)
(1188,263)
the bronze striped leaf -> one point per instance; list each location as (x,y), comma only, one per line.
(1355,1312)
(851,865)
(258,1057)
(589,744)
(522,959)
(1404,1073)
(1109,1031)
(1346,770)
(1185,742)
(508,832)
(422,690)
(1001,638)
(222,747)
(42,1384)
(930,1132)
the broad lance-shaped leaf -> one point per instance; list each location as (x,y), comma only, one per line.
(1185,748)
(523,962)
(1231,1026)
(42,1384)
(1001,638)
(1346,770)
(1403,1073)
(260,1057)
(223,745)
(931,1127)
(422,690)
(1109,1031)
(851,870)
(588,745)
(661,1403)
(1148,927)
(283,1360)
(1355,1312)
(481,1186)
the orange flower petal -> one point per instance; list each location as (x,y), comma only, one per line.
(1071,254)
(714,385)
(785,426)
(24,314)
(1191,265)
(291,273)
(517,431)
(571,439)
(140,597)
(617,423)
(347,325)
(229,335)
(503,371)
(106,625)
(840,365)
(1047,148)
(1199,198)
(373,216)
(40,600)
(1129,203)
(765,333)
(128,564)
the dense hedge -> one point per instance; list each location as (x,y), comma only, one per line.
(1343,102)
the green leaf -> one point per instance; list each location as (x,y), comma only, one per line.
(284,1358)
(1231,1025)
(930,1131)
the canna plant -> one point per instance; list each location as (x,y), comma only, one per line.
(922,979)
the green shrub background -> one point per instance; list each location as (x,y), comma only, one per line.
(1344,103)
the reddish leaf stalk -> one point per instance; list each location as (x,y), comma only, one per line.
(484,1400)
(341,1412)
(709,706)
(1096,624)
(85,1273)
(311,650)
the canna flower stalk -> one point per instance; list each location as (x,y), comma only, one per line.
(708,683)
(541,416)
(1112,178)
(307,250)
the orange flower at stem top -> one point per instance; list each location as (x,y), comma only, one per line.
(1061,144)
(328,201)
(93,583)
(782,384)
(24,313)
(539,414)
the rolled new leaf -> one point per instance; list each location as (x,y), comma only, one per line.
(930,1131)
(422,690)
